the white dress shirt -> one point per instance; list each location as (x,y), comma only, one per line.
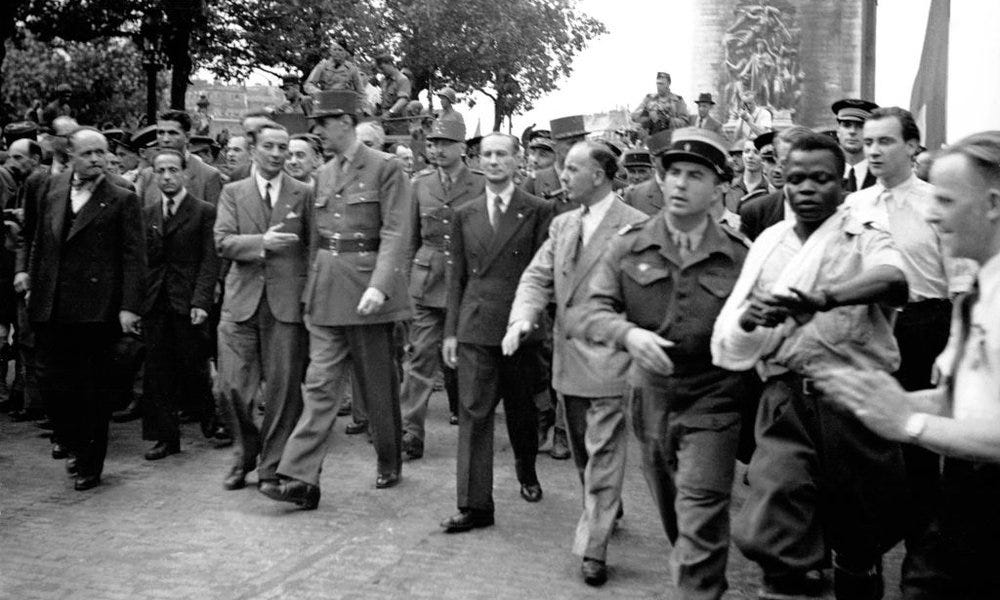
(262,186)
(903,210)
(860,172)
(178,198)
(592,216)
(81,191)
(504,195)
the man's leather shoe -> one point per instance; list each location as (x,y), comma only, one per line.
(270,488)
(46,424)
(300,493)
(594,571)
(163,450)
(531,492)
(131,413)
(560,445)
(59,451)
(86,482)
(344,410)
(467,520)
(386,480)
(221,437)
(356,427)
(413,446)
(236,479)
(71,467)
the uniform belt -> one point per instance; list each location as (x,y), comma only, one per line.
(338,245)
(437,243)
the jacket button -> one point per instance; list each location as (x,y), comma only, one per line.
(336,215)
(93,280)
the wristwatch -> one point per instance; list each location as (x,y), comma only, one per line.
(915,426)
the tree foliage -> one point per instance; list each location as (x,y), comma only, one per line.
(106,76)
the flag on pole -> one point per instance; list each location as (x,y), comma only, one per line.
(929,100)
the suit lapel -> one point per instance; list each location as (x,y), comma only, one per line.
(479,222)
(182,214)
(91,209)
(511,221)
(286,200)
(57,199)
(655,195)
(254,204)
(590,253)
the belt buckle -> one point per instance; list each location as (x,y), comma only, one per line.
(809,387)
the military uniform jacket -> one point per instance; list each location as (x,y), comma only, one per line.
(660,113)
(646,196)
(641,281)
(544,183)
(429,243)
(239,237)
(487,265)
(366,200)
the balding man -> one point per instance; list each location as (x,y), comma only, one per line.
(85,274)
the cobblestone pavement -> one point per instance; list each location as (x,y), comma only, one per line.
(167,530)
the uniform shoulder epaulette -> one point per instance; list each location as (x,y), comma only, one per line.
(477,171)
(633,226)
(424,172)
(736,235)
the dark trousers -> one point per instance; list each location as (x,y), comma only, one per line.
(921,331)
(426,334)
(485,376)
(366,351)
(261,348)
(818,479)
(960,550)
(73,363)
(176,374)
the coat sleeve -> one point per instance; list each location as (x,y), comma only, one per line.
(536,287)
(229,242)
(394,192)
(208,270)
(457,276)
(133,236)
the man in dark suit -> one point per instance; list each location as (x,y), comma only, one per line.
(493,239)
(183,267)
(760,212)
(262,228)
(436,195)
(355,294)
(173,129)
(705,120)
(851,116)
(647,196)
(85,278)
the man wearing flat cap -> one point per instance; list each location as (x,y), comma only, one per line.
(647,196)
(663,110)
(544,179)
(705,120)
(851,116)
(656,293)
(355,292)
(436,194)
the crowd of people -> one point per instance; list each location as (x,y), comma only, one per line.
(802,301)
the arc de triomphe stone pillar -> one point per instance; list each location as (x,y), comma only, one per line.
(799,56)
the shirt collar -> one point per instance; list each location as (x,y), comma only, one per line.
(904,185)
(600,208)
(989,273)
(274,181)
(505,194)
(178,198)
(350,152)
(655,233)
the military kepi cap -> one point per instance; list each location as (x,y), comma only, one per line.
(567,127)
(542,143)
(447,129)
(853,109)
(700,146)
(144,138)
(334,103)
(636,158)
(763,140)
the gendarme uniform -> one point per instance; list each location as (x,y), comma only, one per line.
(674,284)
(660,113)
(434,198)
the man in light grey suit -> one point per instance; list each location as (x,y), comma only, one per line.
(590,379)
(262,227)
(173,128)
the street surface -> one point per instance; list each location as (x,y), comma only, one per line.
(167,530)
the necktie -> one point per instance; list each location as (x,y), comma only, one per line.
(579,234)
(169,211)
(852,181)
(446,183)
(267,199)
(497,212)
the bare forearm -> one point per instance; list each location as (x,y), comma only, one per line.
(881,285)
(966,439)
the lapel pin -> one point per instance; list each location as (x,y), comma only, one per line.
(643,267)
(520,215)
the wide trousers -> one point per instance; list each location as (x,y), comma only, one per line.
(485,376)
(819,480)
(176,374)
(595,428)
(261,348)
(333,350)
(74,362)
(426,334)
(688,460)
